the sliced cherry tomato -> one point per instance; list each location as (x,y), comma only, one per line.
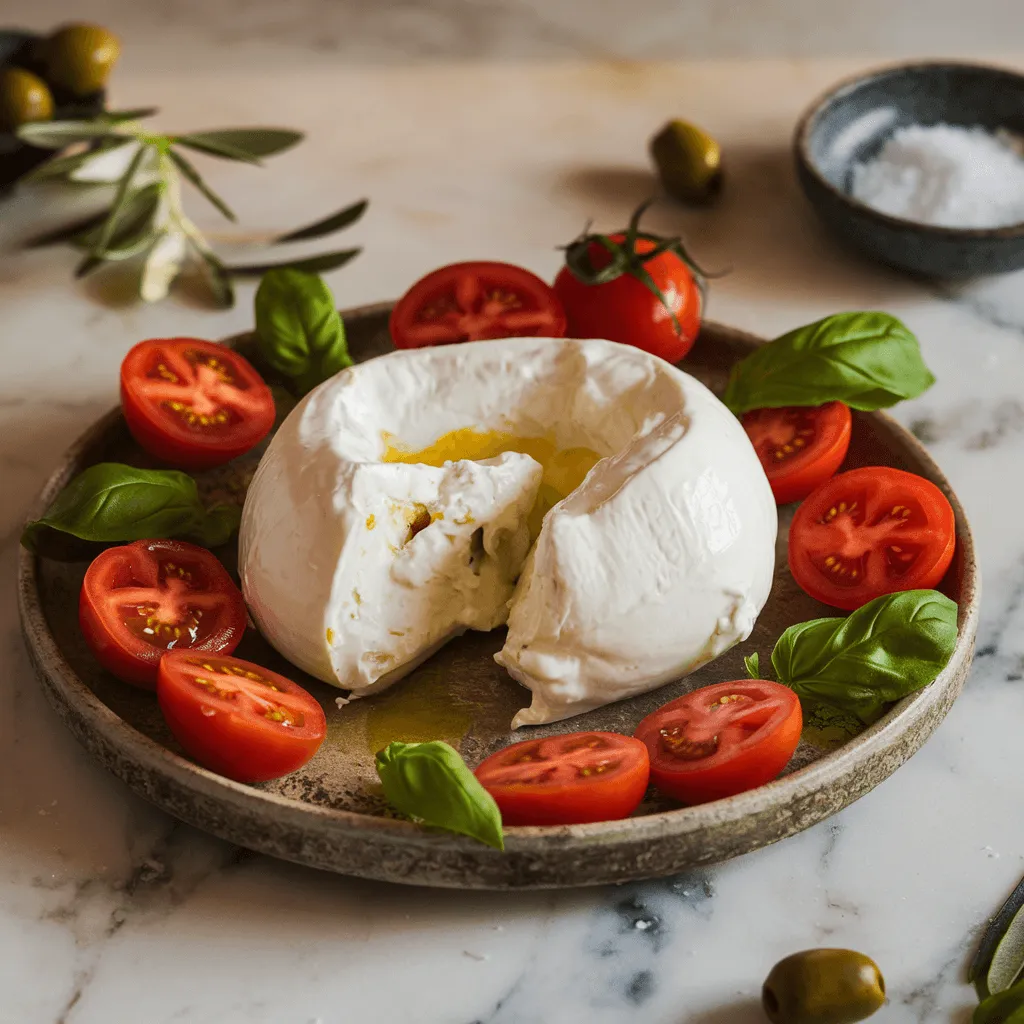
(475,301)
(144,599)
(565,780)
(799,447)
(193,403)
(870,532)
(236,718)
(722,740)
(625,310)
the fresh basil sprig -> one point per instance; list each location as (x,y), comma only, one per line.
(431,784)
(1000,958)
(878,654)
(1002,1008)
(867,360)
(112,502)
(298,330)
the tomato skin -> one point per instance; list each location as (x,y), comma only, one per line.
(624,310)
(564,796)
(818,437)
(749,744)
(870,532)
(142,566)
(474,301)
(233,736)
(234,390)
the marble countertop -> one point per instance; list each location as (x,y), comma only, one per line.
(112,912)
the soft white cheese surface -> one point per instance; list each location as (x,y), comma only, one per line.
(357,570)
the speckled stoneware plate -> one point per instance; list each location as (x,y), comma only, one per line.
(331,814)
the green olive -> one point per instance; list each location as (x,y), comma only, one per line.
(823,986)
(689,162)
(23,98)
(79,58)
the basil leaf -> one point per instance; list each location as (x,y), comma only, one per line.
(983,972)
(890,647)
(867,360)
(1003,1008)
(430,783)
(250,142)
(298,330)
(753,665)
(112,502)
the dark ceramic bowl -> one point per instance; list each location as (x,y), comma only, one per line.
(853,121)
(20,49)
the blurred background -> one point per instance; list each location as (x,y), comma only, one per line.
(179,33)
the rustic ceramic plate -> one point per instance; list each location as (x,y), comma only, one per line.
(331,814)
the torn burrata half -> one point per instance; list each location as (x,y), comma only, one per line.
(602,502)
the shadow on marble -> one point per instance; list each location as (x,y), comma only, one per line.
(744,1011)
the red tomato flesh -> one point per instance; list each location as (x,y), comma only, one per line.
(870,532)
(193,403)
(799,447)
(473,302)
(236,718)
(144,599)
(722,740)
(624,310)
(565,780)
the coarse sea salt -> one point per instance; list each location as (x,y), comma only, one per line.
(944,175)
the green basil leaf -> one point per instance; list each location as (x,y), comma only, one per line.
(310,264)
(430,783)
(252,143)
(1008,919)
(188,169)
(867,360)
(298,330)
(885,650)
(1003,1008)
(58,134)
(335,222)
(753,665)
(112,502)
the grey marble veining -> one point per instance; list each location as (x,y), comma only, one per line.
(111,913)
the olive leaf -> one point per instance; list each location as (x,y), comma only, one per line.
(430,783)
(213,148)
(1000,957)
(298,329)
(867,360)
(882,652)
(58,134)
(188,169)
(112,502)
(310,264)
(252,142)
(219,279)
(335,222)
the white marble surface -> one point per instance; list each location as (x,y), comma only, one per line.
(110,912)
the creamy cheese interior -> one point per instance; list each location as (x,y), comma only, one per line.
(601,501)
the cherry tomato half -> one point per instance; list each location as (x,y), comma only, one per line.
(193,403)
(624,310)
(799,447)
(565,780)
(870,532)
(146,598)
(236,718)
(473,302)
(722,740)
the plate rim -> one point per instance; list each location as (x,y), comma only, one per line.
(64,685)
